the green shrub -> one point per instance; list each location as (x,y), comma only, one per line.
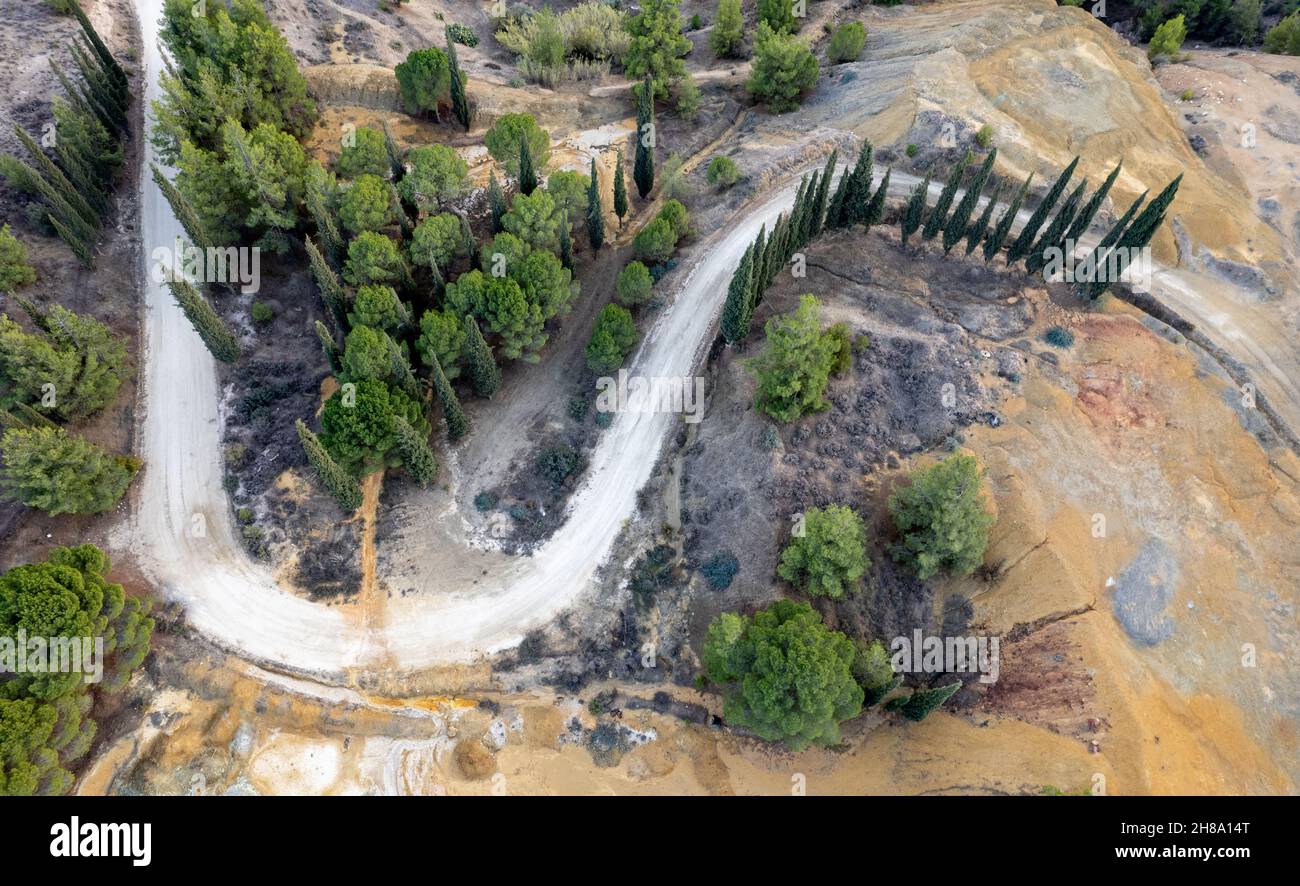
(1284,37)
(846,43)
(722,172)
(612,339)
(559,464)
(14,270)
(1168,38)
(911,150)
(462,34)
(261,312)
(634,284)
(720,570)
(655,242)
(485,501)
(984,137)
(1059,337)
(784,68)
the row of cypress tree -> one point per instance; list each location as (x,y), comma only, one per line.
(72,188)
(855,202)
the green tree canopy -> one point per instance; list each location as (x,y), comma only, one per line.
(536,220)
(830,557)
(378,307)
(437,174)
(795,365)
(45,468)
(634,284)
(657,45)
(442,335)
(612,339)
(357,425)
(373,258)
(365,153)
(789,677)
(783,69)
(71,369)
(436,241)
(728,34)
(366,205)
(503,140)
(941,518)
(424,80)
(14,270)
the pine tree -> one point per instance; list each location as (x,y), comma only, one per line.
(207,323)
(331,290)
(976,232)
(182,209)
(417,457)
(620,191)
(823,194)
(566,245)
(1079,226)
(527,176)
(329,345)
(955,229)
(484,374)
(643,167)
(914,210)
(876,208)
(1028,233)
(1003,228)
(459,101)
(452,414)
(338,482)
(1054,235)
(735,311)
(939,214)
(496,202)
(595,215)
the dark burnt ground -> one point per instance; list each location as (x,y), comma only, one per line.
(277,381)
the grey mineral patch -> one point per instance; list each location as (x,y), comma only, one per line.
(1142,592)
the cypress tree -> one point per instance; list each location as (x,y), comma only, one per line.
(459,101)
(1027,234)
(921,702)
(527,177)
(772,254)
(939,214)
(566,245)
(595,215)
(1101,254)
(101,51)
(643,167)
(395,163)
(399,212)
(329,345)
(75,243)
(1138,235)
(756,258)
(403,376)
(735,311)
(417,457)
(452,414)
(806,209)
(955,229)
(823,194)
(876,207)
(60,182)
(330,237)
(914,210)
(82,98)
(1079,226)
(858,193)
(338,482)
(331,290)
(25,178)
(99,87)
(620,191)
(977,230)
(999,235)
(182,209)
(1054,235)
(484,373)
(796,219)
(207,323)
(467,243)
(836,211)
(496,202)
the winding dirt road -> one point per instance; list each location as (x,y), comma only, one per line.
(184,536)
